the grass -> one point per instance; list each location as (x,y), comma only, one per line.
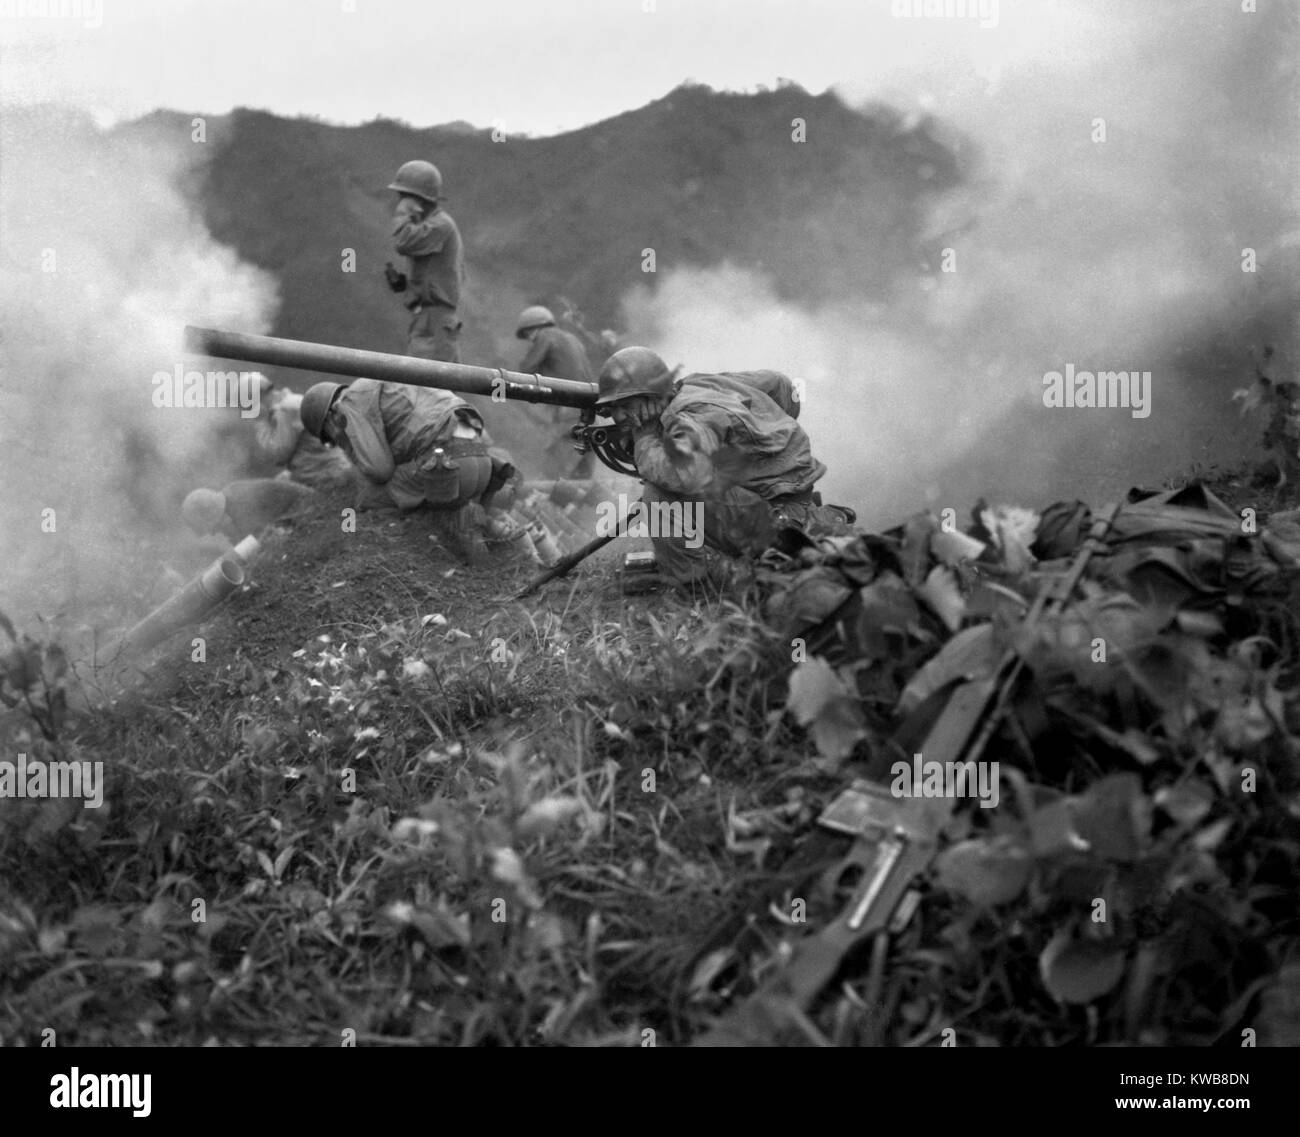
(361,840)
(443,820)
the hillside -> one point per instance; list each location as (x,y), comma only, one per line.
(835,216)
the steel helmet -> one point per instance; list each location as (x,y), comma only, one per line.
(419,178)
(633,371)
(316,405)
(202,510)
(534,317)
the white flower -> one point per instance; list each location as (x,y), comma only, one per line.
(414,669)
(366,734)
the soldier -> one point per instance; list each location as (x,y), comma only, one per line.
(428,238)
(243,507)
(724,449)
(417,446)
(554,351)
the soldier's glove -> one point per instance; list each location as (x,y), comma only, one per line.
(396,280)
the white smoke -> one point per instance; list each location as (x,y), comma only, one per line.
(1122,254)
(105,260)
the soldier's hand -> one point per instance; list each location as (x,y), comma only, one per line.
(396,280)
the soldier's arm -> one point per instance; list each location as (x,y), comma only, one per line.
(679,455)
(414,234)
(366,446)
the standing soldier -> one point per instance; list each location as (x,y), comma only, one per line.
(728,442)
(425,234)
(558,353)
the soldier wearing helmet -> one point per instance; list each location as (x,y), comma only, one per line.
(728,441)
(554,351)
(425,234)
(419,446)
(282,441)
(243,507)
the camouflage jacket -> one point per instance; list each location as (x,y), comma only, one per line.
(719,432)
(392,431)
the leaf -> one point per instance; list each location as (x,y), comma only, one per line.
(1211,837)
(887,607)
(1079,971)
(985,871)
(1114,817)
(281,861)
(820,697)
(1052,829)
(951,548)
(1186,804)
(943,597)
(1279,1009)
(970,654)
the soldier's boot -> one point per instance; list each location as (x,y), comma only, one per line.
(460,531)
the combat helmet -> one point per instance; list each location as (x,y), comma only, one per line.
(534,317)
(419,178)
(316,405)
(633,371)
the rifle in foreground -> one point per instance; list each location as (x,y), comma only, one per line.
(894,841)
(567,564)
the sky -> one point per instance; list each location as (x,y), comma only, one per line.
(522,65)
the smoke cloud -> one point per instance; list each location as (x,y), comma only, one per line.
(104,262)
(1120,160)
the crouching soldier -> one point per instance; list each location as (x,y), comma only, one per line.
(419,446)
(726,447)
